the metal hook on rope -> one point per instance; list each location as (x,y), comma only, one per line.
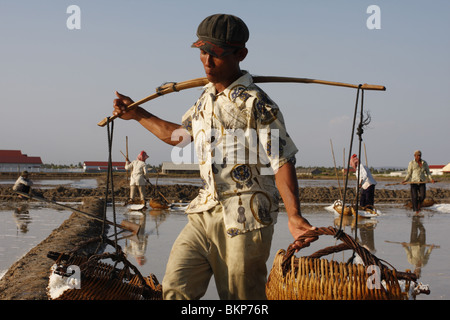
(359,131)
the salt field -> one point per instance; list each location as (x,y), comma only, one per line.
(149,250)
(397,236)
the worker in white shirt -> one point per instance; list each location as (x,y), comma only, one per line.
(138,178)
(366,182)
(23,183)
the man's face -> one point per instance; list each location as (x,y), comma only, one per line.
(220,70)
(417,156)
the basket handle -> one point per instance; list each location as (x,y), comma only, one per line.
(347,243)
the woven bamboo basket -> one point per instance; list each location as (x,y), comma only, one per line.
(104,281)
(428,202)
(156,204)
(313,278)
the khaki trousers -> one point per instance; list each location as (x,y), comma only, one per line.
(134,189)
(203,248)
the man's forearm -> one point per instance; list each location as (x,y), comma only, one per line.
(162,129)
(287,184)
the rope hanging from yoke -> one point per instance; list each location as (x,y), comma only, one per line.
(359,132)
(109,180)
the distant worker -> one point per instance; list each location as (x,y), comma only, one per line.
(418,172)
(23,183)
(366,183)
(138,176)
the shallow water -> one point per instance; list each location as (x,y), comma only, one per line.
(23,227)
(21,230)
(90,183)
(383,236)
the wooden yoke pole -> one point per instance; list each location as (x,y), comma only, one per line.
(409,182)
(264,79)
(199,82)
(164,89)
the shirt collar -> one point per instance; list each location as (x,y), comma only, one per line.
(245,80)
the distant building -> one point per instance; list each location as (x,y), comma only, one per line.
(446,169)
(307,171)
(436,170)
(398,173)
(15,161)
(102,166)
(170,167)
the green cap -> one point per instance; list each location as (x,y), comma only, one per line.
(221,34)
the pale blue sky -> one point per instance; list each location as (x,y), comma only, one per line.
(56,83)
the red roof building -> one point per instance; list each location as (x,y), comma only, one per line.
(446,169)
(436,169)
(15,160)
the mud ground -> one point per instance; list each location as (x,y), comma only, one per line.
(185,193)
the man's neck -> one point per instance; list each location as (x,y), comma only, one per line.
(222,85)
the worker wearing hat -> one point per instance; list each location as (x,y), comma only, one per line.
(138,179)
(231,221)
(221,35)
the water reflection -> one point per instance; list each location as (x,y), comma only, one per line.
(366,229)
(22,218)
(367,235)
(417,250)
(136,245)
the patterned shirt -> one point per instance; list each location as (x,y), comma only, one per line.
(417,173)
(240,140)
